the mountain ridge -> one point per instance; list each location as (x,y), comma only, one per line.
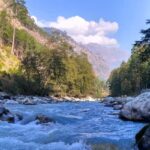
(98,63)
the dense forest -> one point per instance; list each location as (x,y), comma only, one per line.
(132,77)
(37,69)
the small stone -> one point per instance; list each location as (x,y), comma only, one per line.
(44,119)
(104,147)
(11,119)
(3,111)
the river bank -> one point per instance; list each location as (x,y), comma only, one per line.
(33,100)
(131,108)
(135,109)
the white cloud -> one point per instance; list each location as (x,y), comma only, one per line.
(85,31)
(39,23)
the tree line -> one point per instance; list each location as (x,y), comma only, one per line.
(133,76)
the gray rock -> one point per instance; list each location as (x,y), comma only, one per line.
(4,95)
(112,101)
(41,119)
(143,138)
(11,102)
(6,115)
(118,107)
(3,111)
(137,109)
(28,101)
(32,100)
(116,102)
(10,118)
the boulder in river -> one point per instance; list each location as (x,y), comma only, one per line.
(116,102)
(3,111)
(41,119)
(4,95)
(6,115)
(137,109)
(143,138)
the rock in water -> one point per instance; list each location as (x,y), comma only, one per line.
(3,111)
(44,119)
(116,102)
(137,109)
(143,138)
(4,96)
(10,119)
(28,101)
(6,115)
(11,102)
(104,147)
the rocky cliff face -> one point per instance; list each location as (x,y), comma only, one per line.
(112,57)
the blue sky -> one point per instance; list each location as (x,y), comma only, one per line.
(130,15)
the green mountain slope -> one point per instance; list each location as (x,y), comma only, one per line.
(8,63)
(40,64)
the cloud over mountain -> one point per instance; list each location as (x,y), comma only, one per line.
(84,31)
(103,50)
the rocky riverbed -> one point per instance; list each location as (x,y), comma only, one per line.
(40,123)
(25,110)
(33,100)
(131,108)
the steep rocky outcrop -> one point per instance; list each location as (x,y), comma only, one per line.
(112,56)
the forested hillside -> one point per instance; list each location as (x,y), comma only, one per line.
(32,62)
(100,67)
(133,76)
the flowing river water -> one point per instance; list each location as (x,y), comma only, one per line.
(78,126)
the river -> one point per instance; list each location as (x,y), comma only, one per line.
(79,126)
